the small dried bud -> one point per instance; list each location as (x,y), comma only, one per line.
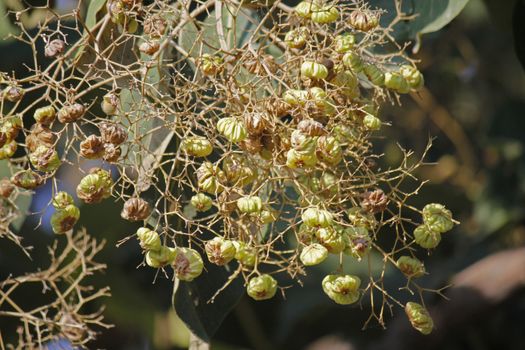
(111,153)
(419,317)
(311,127)
(188,264)
(63,220)
(437,217)
(313,254)
(149,47)
(112,133)
(326,14)
(6,188)
(135,209)
(245,254)
(411,267)
(54,48)
(40,135)
(426,237)
(232,128)
(220,251)
(8,150)
(27,179)
(363,20)
(92,147)
(13,93)
(374,201)
(210,178)
(45,115)
(249,204)
(201,202)
(95,187)
(314,70)
(110,103)
(71,113)
(315,217)
(154,26)
(45,159)
(160,258)
(148,239)
(72,329)
(62,199)
(196,146)
(262,287)
(343,289)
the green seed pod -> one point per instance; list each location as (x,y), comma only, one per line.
(13,93)
(347,82)
(11,127)
(210,178)
(363,20)
(62,199)
(267,216)
(321,100)
(131,25)
(313,254)
(63,220)
(329,150)
(413,76)
(344,43)
(95,187)
(110,103)
(220,251)
(325,15)
(353,61)
(210,65)
(232,128)
(245,254)
(295,97)
(437,218)
(374,74)
(45,115)
(328,184)
(305,9)
(296,39)
(371,122)
(249,204)
(148,239)
(345,134)
(315,217)
(302,143)
(71,113)
(201,202)
(295,159)
(314,70)
(333,240)
(426,237)
(238,171)
(411,267)
(27,179)
(419,317)
(361,218)
(187,264)
(359,242)
(45,159)
(160,258)
(262,287)
(343,289)
(196,146)
(395,81)
(8,150)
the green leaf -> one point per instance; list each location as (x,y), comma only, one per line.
(95,6)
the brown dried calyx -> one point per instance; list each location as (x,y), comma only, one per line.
(374,201)
(71,113)
(135,209)
(92,147)
(3,138)
(40,135)
(311,127)
(54,48)
(6,188)
(113,133)
(154,26)
(111,153)
(256,123)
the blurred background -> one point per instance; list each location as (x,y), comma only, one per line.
(473,108)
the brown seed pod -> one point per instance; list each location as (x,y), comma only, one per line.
(27,179)
(13,93)
(6,188)
(251,145)
(154,26)
(374,201)
(113,133)
(92,147)
(311,127)
(71,113)
(135,209)
(111,153)
(54,48)
(255,123)
(277,107)
(3,138)
(228,201)
(363,20)
(149,47)
(40,135)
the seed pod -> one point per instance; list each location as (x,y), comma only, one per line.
(92,147)
(371,122)
(359,242)
(395,81)
(220,251)
(353,61)
(315,217)
(8,150)
(267,216)
(305,9)
(249,204)
(6,188)
(149,47)
(155,26)
(112,133)
(311,127)
(344,43)
(413,76)
(188,264)
(148,239)
(3,138)
(374,201)
(210,65)
(411,267)
(314,70)
(419,317)
(262,287)
(297,38)
(116,10)
(426,237)
(322,102)
(360,218)
(131,25)
(61,200)
(255,123)
(303,143)
(72,329)
(232,128)
(252,144)
(11,127)
(374,74)
(160,258)
(45,159)
(238,171)
(245,254)
(111,153)
(95,187)
(110,103)
(437,217)
(196,146)
(329,150)
(13,93)
(135,209)
(45,115)
(363,20)
(326,14)
(343,289)
(63,220)
(296,159)
(295,97)
(27,179)
(71,113)
(210,178)
(40,135)
(54,48)
(201,202)
(313,254)
(333,240)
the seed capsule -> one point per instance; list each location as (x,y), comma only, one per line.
(255,123)
(396,82)
(54,48)
(374,74)
(11,127)
(6,188)
(45,159)
(297,38)
(437,217)
(344,43)
(313,254)
(249,204)
(135,209)
(371,122)
(360,218)
(353,61)
(201,202)
(326,14)
(305,9)
(45,115)
(311,127)
(92,147)
(232,128)
(61,200)
(411,267)
(363,20)
(295,97)
(314,70)
(155,26)
(296,159)
(63,220)
(374,201)
(210,65)
(71,113)
(315,217)
(161,257)
(413,76)
(27,179)
(419,317)
(110,103)
(329,150)
(111,153)
(149,47)
(13,93)
(95,187)
(220,251)
(343,289)
(196,146)
(245,254)
(333,240)
(426,237)
(148,239)
(262,287)
(8,150)
(210,178)
(188,264)
(40,135)
(112,133)
(359,242)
